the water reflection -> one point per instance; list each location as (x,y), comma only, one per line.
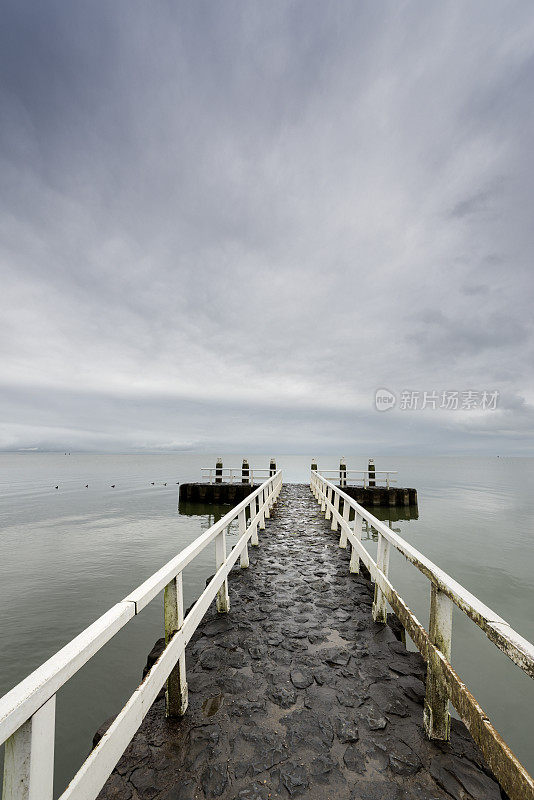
(207,513)
(388,516)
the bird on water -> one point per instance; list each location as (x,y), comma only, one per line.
(112,485)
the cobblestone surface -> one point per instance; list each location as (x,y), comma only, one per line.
(297,692)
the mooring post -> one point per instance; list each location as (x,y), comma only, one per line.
(372,473)
(346,512)
(29,757)
(354,555)
(223,599)
(272,467)
(436,713)
(245,472)
(242,528)
(382,561)
(218,470)
(176,691)
(342,473)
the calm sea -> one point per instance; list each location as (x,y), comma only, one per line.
(68,554)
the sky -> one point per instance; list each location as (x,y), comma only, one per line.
(225,226)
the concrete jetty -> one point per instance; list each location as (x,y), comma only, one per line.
(228,486)
(298,692)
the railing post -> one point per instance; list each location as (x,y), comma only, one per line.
(29,757)
(382,561)
(323,496)
(436,713)
(254,538)
(354,555)
(176,693)
(333,526)
(242,529)
(218,471)
(245,472)
(328,513)
(267,499)
(346,512)
(261,501)
(223,599)
(272,467)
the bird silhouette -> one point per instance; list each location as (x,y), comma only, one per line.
(57,487)
(165,484)
(152,483)
(86,485)
(112,485)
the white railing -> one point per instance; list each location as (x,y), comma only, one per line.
(443,684)
(27,712)
(233,475)
(364,476)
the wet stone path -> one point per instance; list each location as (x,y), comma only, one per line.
(297,692)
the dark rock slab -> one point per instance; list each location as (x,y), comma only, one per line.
(297,692)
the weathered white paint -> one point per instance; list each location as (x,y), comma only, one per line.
(176,695)
(253,524)
(242,528)
(444,685)
(262,515)
(328,508)
(233,474)
(98,766)
(29,757)
(343,537)
(518,649)
(223,599)
(27,697)
(357,535)
(436,713)
(382,563)
(335,513)
(27,712)
(359,476)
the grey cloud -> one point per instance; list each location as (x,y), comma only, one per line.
(235,213)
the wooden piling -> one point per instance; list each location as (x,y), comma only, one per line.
(371,472)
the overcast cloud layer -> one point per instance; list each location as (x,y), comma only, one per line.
(224,225)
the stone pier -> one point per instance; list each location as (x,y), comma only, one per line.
(297,692)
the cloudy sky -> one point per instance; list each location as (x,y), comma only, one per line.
(225,225)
